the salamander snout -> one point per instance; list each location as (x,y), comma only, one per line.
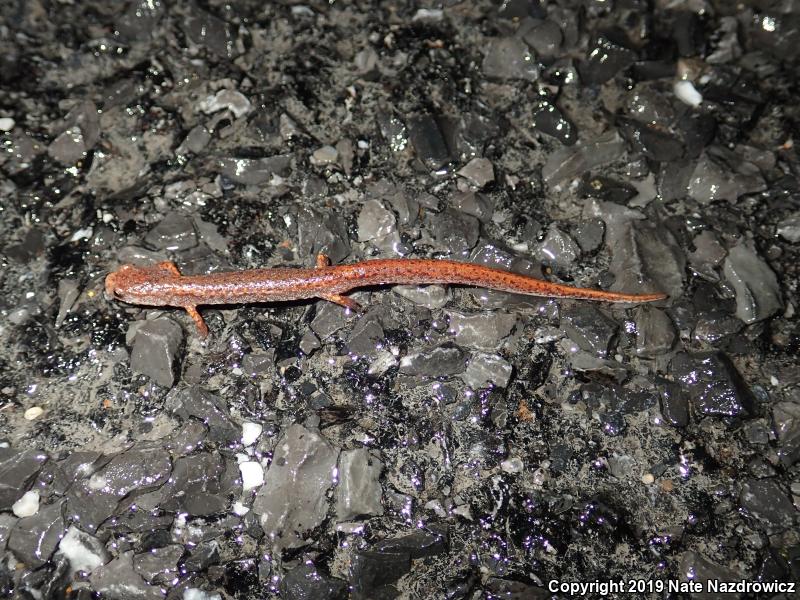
(117,282)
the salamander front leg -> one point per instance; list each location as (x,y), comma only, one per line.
(168,266)
(343,301)
(323,261)
(202,328)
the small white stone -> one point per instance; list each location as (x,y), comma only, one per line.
(27,506)
(687,93)
(34,412)
(512,465)
(240,509)
(80,555)
(252,475)
(324,156)
(81,234)
(198,594)
(250,433)
(6,124)
(648,479)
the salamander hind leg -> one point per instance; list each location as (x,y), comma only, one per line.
(202,328)
(168,266)
(342,301)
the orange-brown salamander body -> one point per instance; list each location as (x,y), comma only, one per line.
(163,285)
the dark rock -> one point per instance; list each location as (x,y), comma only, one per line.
(34,539)
(428,141)
(687,31)
(487,370)
(419,544)
(118,580)
(713,384)
(557,249)
(479,172)
(254,171)
(212,33)
(174,232)
(698,131)
(589,234)
(645,255)
(293,499)
(479,206)
(655,333)
(305,582)
(471,134)
(589,328)
(160,565)
(573,161)
(607,189)
(435,361)
(454,231)
(758,294)
(719,175)
(358,493)
(201,557)
(31,246)
(328,319)
(371,572)
(674,404)
(321,232)
(548,119)
(367,337)
(484,331)
(604,59)
(7,522)
(698,568)
(17,471)
(156,350)
(654,144)
(545,38)
(194,486)
(393,130)
(714,326)
(209,408)
(509,58)
(765,500)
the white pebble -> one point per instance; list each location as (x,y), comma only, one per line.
(240,509)
(648,479)
(81,234)
(80,556)
(198,594)
(34,412)
(687,93)
(250,433)
(27,506)
(6,124)
(324,156)
(512,465)
(252,475)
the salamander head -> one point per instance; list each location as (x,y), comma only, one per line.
(137,285)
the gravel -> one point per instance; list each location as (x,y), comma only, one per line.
(446,441)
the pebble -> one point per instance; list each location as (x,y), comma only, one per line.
(250,433)
(34,412)
(687,93)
